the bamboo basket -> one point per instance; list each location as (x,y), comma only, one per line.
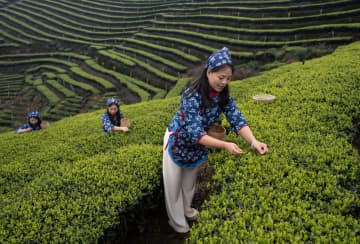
(217,131)
(264,98)
(125,122)
(45,124)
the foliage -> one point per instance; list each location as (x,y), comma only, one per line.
(162,48)
(60,88)
(98,80)
(306,189)
(178,88)
(282,31)
(75,202)
(148,67)
(132,84)
(165,39)
(75,180)
(70,182)
(117,57)
(67,79)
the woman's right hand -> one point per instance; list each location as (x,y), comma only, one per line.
(233,149)
(124,128)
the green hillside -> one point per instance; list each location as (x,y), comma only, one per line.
(68,55)
(70,183)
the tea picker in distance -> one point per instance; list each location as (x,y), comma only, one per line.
(111,119)
(33,124)
(186,139)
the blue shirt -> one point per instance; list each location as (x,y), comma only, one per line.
(28,125)
(109,123)
(192,121)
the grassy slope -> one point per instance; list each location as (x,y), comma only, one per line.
(307,187)
(70,175)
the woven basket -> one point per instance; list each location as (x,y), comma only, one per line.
(217,131)
(125,122)
(45,124)
(264,98)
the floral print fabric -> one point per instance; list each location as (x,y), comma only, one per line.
(27,125)
(109,123)
(191,123)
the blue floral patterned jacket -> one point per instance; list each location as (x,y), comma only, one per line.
(191,123)
(108,124)
(27,125)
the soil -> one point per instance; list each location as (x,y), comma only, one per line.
(155,228)
(356,142)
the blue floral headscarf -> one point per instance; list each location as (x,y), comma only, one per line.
(112,101)
(218,58)
(33,114)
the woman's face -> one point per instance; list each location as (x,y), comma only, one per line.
(219,79)
(113,109)
(33,120)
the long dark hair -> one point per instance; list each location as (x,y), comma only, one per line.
(37,124)
(117,115)
(202,86)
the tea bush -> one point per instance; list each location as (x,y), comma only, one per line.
(306,189)
(71,182)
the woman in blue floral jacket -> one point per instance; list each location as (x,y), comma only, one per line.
(111,119)
(33,124)
(186,139)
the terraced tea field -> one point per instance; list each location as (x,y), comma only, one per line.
(64,57)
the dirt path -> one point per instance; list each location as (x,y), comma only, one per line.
(155,229)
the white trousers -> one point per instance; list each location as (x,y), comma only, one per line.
(179,188)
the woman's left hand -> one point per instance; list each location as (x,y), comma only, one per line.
(259,146)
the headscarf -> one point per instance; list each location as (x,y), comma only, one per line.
(218,58)
(34,114)
(112,101)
